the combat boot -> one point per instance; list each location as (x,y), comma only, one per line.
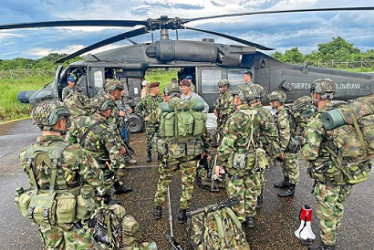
(249,222)
(120,189)
(149,156)
(323,247)
(283,184)
(182,217)
(157,213)
(287,192)
(129,161)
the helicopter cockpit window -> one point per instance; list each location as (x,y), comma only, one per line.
(235,77)
(209,79)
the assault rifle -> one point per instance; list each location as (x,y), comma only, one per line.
(226,203)
(170,238)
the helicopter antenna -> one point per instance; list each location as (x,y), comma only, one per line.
(152,36)
(176,34)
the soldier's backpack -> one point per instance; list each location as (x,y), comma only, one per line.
(350,127)
(216,227)
(115,229)
(182,124)
(58,204)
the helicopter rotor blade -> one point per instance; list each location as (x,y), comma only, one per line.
(107,41)
(71,23)
(278,11)
(236,39)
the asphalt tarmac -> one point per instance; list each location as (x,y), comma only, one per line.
(275,222)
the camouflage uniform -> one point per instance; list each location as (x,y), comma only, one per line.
(148,107)
(246,184)
(77,168)
(102,143)
(78,105)
(168,167)
(224,106)
(330,195)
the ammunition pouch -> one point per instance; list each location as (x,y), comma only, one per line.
(357,172)
(176,149)
(327,172)
(242,160)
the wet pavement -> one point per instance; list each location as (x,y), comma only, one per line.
(275,222)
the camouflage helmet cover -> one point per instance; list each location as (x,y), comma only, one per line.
(245,93)
(259,90)
(301,102)
(323,86)
(103,104)
(113,84)
(172,88)
(223,82)
(47,113)
(277,96)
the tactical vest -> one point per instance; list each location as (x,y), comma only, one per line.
(294,144)
(181,126)
(60,204)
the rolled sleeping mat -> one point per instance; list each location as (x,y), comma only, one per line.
(332,119)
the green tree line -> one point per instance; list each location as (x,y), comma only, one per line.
(338,50)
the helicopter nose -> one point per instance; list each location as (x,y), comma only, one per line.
(24,96)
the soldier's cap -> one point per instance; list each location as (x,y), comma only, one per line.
(185,82)
(188,77)
(154,84)
(113,84)
(70,79)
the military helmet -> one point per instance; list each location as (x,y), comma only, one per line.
(113,84)
(258,91)
(245,93)
(103,104)
(224,82)
(324,86)
(301,102)
(277,96)
(172,88)
(47,113)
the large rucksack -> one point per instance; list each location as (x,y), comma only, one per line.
(350,128)
(59,204)
(216,227)
(182,124)
(115,229)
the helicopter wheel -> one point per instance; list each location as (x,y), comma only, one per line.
(135,123)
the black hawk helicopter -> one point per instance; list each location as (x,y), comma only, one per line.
(206,61)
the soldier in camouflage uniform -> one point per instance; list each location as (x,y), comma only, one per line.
(78,105)
(241,152)
(223,106)
(329,194)
(288,156)
(147,108)
(98,137)
(169,165)
(302,109)
(248,78)
(77,168)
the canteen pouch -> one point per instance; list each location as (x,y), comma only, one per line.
(161,146)
(85,203)
(168,128)
(65,209)
(42,209)
(23,201)
(357,172)
(242,160)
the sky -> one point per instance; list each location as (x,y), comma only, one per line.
(278,31)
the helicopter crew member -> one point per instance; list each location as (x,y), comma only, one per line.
(187,94)
(147,108)
(248,77)
(241,155)
(70,88)
(59,171)
(288,144)
(223,107)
